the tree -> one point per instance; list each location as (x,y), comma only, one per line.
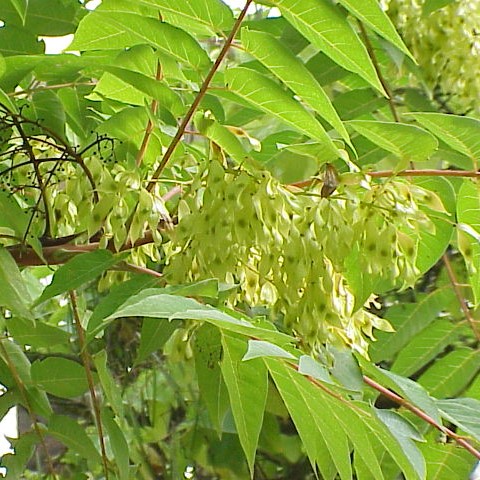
(239,245)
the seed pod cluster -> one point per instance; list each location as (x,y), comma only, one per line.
(446,45)
(294,251)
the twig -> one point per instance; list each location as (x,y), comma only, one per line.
(149,129)
(91,384)
(461,299)
(406,173)
(421,414)
(203,90)
(28,406)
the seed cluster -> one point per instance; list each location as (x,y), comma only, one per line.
(446,45)
(298,253)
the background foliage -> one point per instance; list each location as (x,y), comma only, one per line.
(240,245)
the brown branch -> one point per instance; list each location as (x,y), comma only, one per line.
(28,406)
(421,414)
(461,299)
(405,173)
(196,102)
(91,384)
(58,254)
(149,129)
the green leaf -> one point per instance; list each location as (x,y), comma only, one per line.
(117,78)
(207,17)
(71,434)
(118,443)
(451,374)
(310,367)
(462,412)
(38,334)
(110,388)
(407,142)
(48,110)
(408,319)
(370,13)
(79,270)
(446,461)
(259,348)
(154,335)
(213,392)
(117,296)
(458,132)
(118,30)
(293,73)
(425,346)
(327,28)
(222,136)
(432,246)
(268,96)
(410,390)
(60,377)
(431,6)
(13,293)
(20,7)
(247,384)
(405,433)
(468,206)
(151,303)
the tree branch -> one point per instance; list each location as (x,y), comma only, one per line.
(91,384)
(196,102)
(421,414)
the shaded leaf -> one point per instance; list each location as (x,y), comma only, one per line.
(118,443)
(407,142)
(60,376)
(13,293)
(451,374)
(208,354)
(247,384)
(462,412)
(458,132)
(71,434)
(79,270)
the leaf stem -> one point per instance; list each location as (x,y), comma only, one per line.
(421,414)
(196,102)
(91,384)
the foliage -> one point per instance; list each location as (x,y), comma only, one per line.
(239,245)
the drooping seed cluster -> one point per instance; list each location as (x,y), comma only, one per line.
(446,44)
(298,253)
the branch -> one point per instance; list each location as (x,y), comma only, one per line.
(149,129)
(91,384)
(406,173)
(421,414)
(203,90)
(57,254)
